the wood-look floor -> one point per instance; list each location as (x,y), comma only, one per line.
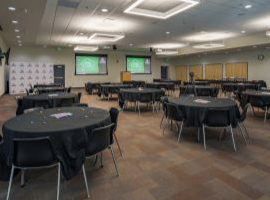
(156,167)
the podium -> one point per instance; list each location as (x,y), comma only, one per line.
(125,76)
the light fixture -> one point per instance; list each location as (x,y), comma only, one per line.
(166,51)
(168,32)
(17,30)
(19,41)
(86,48)
(18,36)
(131,45)
(248,6)
(70,45)
(15,22)
(105,37)
(169,45)
(208,36)
(137,8)
(104,10)
(45,46)
(243,32)
(11,8)
(81,33)
(20,44)
(208,46)
(268,33)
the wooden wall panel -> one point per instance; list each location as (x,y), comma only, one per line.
(214,71)
(181,73)
(197,70)
(237,70)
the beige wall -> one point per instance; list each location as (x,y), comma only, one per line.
(2,68)
(116,64)
(257,70)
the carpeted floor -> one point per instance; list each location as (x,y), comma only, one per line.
(156,167)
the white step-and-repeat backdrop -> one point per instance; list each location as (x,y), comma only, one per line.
(24,74)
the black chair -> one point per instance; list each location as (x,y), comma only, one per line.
(66,102)
(260,102)
(146,98)
(26,156)
(29,110)
(163,100)
(1,139)
(19,109)
(174,114)
(241,124)
(98,141)
(114,113)
(218,118)
(79,97)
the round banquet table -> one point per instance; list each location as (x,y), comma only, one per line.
(195,112)
(46,100)
(111,89)
(263,95)
(69,135)
(159,85)
(42,90)
(201,90)
(134,94)
(230,87)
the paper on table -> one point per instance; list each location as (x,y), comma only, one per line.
(268,93)
(61,115)
(53,95)
(201,101)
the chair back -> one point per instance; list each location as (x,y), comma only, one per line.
(244,113)
(19,110)
(173,112)
(66,102)
(257,101)
(204,92)
(29,110)
(114,113)
(164,100)
(217,117)
(79,97)
(69,90)
(34,152)
(146,98)
(98,140)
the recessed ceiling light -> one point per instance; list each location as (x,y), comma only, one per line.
(17,30)
(104,37)
(209,46)
(138,8)
(254,46)
(166,51)
(168,32)
(248,6)
(12,8)
(81,33)
(104,10)
(19,41)
(243,31)
(267,33)
(131,45)
(18,36)
(208,36)
(20,45)
(169,45)
(70,45)
(45,46)
(15,22)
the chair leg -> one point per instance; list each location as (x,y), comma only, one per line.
(162,120)
(58,180)
(241,130)
(139,108)
(243,125)
(101,160)
(265,114)
(204,142)
(96,157)
(115,165)
(117,144)
(180,131)
(22,178)
(10,182)
(167,122)
(233,138)
(85,181)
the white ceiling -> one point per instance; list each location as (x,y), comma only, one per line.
(60,22)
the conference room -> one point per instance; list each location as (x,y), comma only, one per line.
(134,99)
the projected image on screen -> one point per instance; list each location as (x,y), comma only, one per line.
(139,65)
(91,64)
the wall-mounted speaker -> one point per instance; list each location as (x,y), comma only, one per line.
(114,47)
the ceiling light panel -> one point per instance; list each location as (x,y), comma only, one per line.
(168,45)
(209,46)
(86,48)
(161,9)
(166,51)
(105,37)
(208,36)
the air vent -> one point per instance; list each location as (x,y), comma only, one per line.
(69,3)
(106,37)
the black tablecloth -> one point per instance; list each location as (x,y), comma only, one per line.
(111,89)
(47,85)
(69,135)
(134,94)
(201,90)
(159,85)
(89,87)
(195,113)
(48,100)
(42,90)
(264,96)
(197,83)
(231,87)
